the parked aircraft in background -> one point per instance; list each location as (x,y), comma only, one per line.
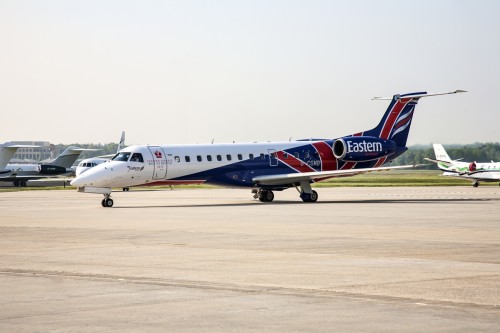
(88,163)
(476,172)
(7,150)
(264,167)
(19,174)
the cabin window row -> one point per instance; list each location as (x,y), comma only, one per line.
(219,158)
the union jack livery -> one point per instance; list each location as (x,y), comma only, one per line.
(263,167)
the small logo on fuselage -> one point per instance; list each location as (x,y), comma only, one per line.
(131,168)
(158,154)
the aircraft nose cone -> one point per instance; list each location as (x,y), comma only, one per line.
(77,182)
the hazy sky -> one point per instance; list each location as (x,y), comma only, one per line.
(193,71)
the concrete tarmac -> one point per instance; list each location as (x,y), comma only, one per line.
(419,259)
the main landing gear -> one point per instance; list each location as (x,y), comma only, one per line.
(265,195)
(309,197)
(307,194)
(107,201)
(475,184)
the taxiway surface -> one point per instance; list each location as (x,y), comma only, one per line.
(213,260)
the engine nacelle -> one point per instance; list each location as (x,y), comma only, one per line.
(48,169)
(362,148)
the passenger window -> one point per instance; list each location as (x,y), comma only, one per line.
(199,158)
(228,157)
(187,158)
(296,155)
(219,158)
(240,157)
(307,154)
(250,156)
(177,159)
(136,157)
(209,158)
(285,155)
(262,156)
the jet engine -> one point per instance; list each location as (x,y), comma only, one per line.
(48,169)
(362,148)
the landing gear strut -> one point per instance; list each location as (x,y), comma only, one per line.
(307,194)
(475,184)
(107,201)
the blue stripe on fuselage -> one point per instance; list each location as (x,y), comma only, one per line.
(241,173)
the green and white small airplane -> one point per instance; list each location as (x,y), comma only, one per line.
(476,172)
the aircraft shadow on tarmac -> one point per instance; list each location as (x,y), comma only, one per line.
(357,202)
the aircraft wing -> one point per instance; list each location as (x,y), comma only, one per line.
(438,161)
(289,178)
(486,172)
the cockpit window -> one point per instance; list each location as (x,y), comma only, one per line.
(136,157)
(121,157)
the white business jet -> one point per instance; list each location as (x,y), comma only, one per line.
(476,172)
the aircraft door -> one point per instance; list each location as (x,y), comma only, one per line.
(273,160)
(159,162)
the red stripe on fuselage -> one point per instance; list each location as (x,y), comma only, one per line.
(380,162)
(393,115)
(328,161)
(348,166)
(294,162)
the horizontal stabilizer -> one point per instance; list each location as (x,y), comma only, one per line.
(420,94)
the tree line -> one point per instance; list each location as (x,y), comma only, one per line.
(478,152)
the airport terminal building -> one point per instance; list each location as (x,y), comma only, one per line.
(45,151)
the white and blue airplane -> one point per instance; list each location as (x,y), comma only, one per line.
(264,167)
(476,172)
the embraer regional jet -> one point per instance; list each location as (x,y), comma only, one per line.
(263,167)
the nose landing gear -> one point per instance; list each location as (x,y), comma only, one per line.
(107,201)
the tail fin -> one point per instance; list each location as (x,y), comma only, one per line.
(8,150)
(396,122)
(121,144)
(69,156)
(440,152)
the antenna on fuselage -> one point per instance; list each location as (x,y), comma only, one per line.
(213,141)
